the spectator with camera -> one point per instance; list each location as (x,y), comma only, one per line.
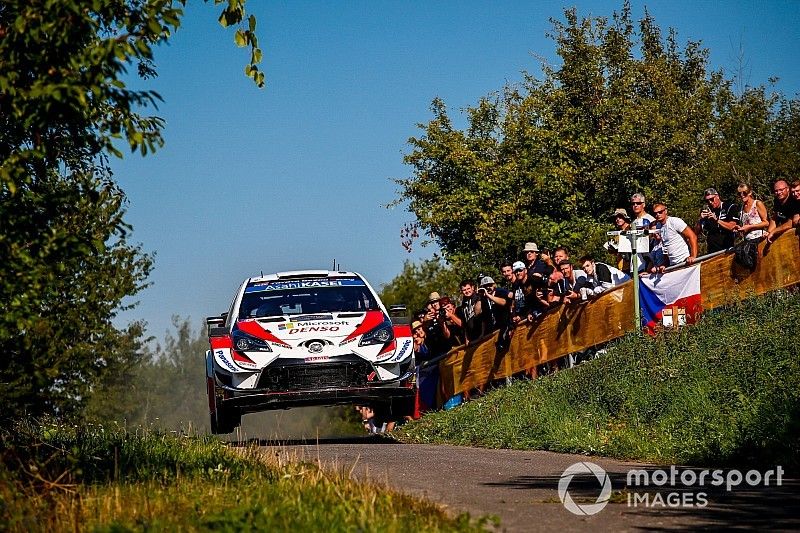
(717,222)
(496,304)
(565,289)
(530,295)
(437,334)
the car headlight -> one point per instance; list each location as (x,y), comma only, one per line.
(247,343)
(380,335)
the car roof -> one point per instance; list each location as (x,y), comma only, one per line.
(304,274)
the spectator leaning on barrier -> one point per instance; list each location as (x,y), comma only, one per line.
(450,318)
(530,295)
(679,242)
(599,276)
(785,211)
(717,221)
(469,312)
(753,220)
(561,254)
(437,335)
(564,291)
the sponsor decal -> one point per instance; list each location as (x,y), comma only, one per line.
(315,347)
(330,329)
(402,352)
(316,358)
(225,362)
(288,325)
(325,323)
(372,375)
(303,284)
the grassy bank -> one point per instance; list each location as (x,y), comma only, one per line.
(723,391)
(54,479)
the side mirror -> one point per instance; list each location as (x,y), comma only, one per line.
(216,325)
(398,314)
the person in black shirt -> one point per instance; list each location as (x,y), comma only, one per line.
(785,211)
(717,221)
(468,314)
(536,267)
(496,304)
(530,295)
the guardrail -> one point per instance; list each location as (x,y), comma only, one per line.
(576,327)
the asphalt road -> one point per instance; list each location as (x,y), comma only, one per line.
(521,487)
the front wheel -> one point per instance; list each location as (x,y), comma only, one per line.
(223,419)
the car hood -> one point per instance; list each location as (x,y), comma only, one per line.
(294,330)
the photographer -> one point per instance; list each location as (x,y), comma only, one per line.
(437,335)
(496,303)
(717,221)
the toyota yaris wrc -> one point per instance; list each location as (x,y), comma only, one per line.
(306,338)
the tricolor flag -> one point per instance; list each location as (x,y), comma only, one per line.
(675,290)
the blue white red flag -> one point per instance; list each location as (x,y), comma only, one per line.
(679,289)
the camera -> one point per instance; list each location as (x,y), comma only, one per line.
(442,314)
(482,290)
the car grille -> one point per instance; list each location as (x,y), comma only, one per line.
(314,376)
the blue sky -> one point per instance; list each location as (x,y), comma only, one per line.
(297,174)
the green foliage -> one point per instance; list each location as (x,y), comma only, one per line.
(413,285)
(722,391)
(627,110)
(101,479)
(67,262)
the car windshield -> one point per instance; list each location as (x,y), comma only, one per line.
(306,296)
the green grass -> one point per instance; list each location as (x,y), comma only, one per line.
(723,391)
(91,479)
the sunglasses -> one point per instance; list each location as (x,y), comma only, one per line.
(637,203)
(744,193)
(659,211)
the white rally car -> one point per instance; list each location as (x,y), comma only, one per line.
(310,337)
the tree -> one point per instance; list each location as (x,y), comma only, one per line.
(67,262)
(413,285)
(627,110)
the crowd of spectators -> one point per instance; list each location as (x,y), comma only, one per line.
(540,280)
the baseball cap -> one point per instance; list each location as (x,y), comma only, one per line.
(434,297)
(620,212)
(518,266)
(486,280)
(711,191)
(416,324)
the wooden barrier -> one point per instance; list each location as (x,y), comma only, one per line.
(576,327)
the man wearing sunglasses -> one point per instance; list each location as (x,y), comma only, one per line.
(717,221)
(785,211)
(679,242)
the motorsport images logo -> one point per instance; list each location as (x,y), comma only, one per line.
(583,468)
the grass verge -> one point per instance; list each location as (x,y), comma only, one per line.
(90,479)
(723,391)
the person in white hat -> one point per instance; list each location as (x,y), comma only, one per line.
(536,267)
(496,305)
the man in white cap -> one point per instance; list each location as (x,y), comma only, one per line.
(496,304)
(530,295)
